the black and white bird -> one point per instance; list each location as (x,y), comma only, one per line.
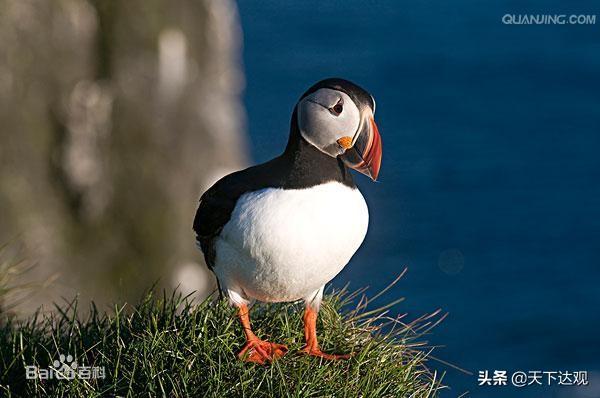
(279,231)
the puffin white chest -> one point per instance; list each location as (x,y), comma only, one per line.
(282,245)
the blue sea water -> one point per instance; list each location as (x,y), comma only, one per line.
(490,182)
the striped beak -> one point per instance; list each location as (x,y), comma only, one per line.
(363,153)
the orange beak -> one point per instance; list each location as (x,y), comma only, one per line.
(365,154)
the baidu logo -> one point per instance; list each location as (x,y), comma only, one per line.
(65,368)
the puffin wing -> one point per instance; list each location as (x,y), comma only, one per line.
(218,202)
(214,211)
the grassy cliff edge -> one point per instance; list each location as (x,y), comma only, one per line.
(163,346)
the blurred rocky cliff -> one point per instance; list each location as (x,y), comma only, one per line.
(114,117)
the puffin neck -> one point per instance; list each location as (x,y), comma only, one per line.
(309,163)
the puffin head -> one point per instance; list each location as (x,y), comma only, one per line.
(337,117)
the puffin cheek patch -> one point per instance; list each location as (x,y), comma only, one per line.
(345,142)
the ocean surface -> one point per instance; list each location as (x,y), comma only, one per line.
(489,189)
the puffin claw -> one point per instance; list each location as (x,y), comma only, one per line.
(260,351)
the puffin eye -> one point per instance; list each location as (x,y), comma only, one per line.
(337,108)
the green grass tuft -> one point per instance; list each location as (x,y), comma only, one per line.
(165,347)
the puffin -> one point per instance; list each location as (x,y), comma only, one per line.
(279,231)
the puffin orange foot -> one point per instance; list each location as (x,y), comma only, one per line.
(316,352)
(259,351)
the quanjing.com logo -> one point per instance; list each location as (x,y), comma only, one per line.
(65,368)
(549,19)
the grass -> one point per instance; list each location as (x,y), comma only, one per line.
(12,268)
(163,346)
